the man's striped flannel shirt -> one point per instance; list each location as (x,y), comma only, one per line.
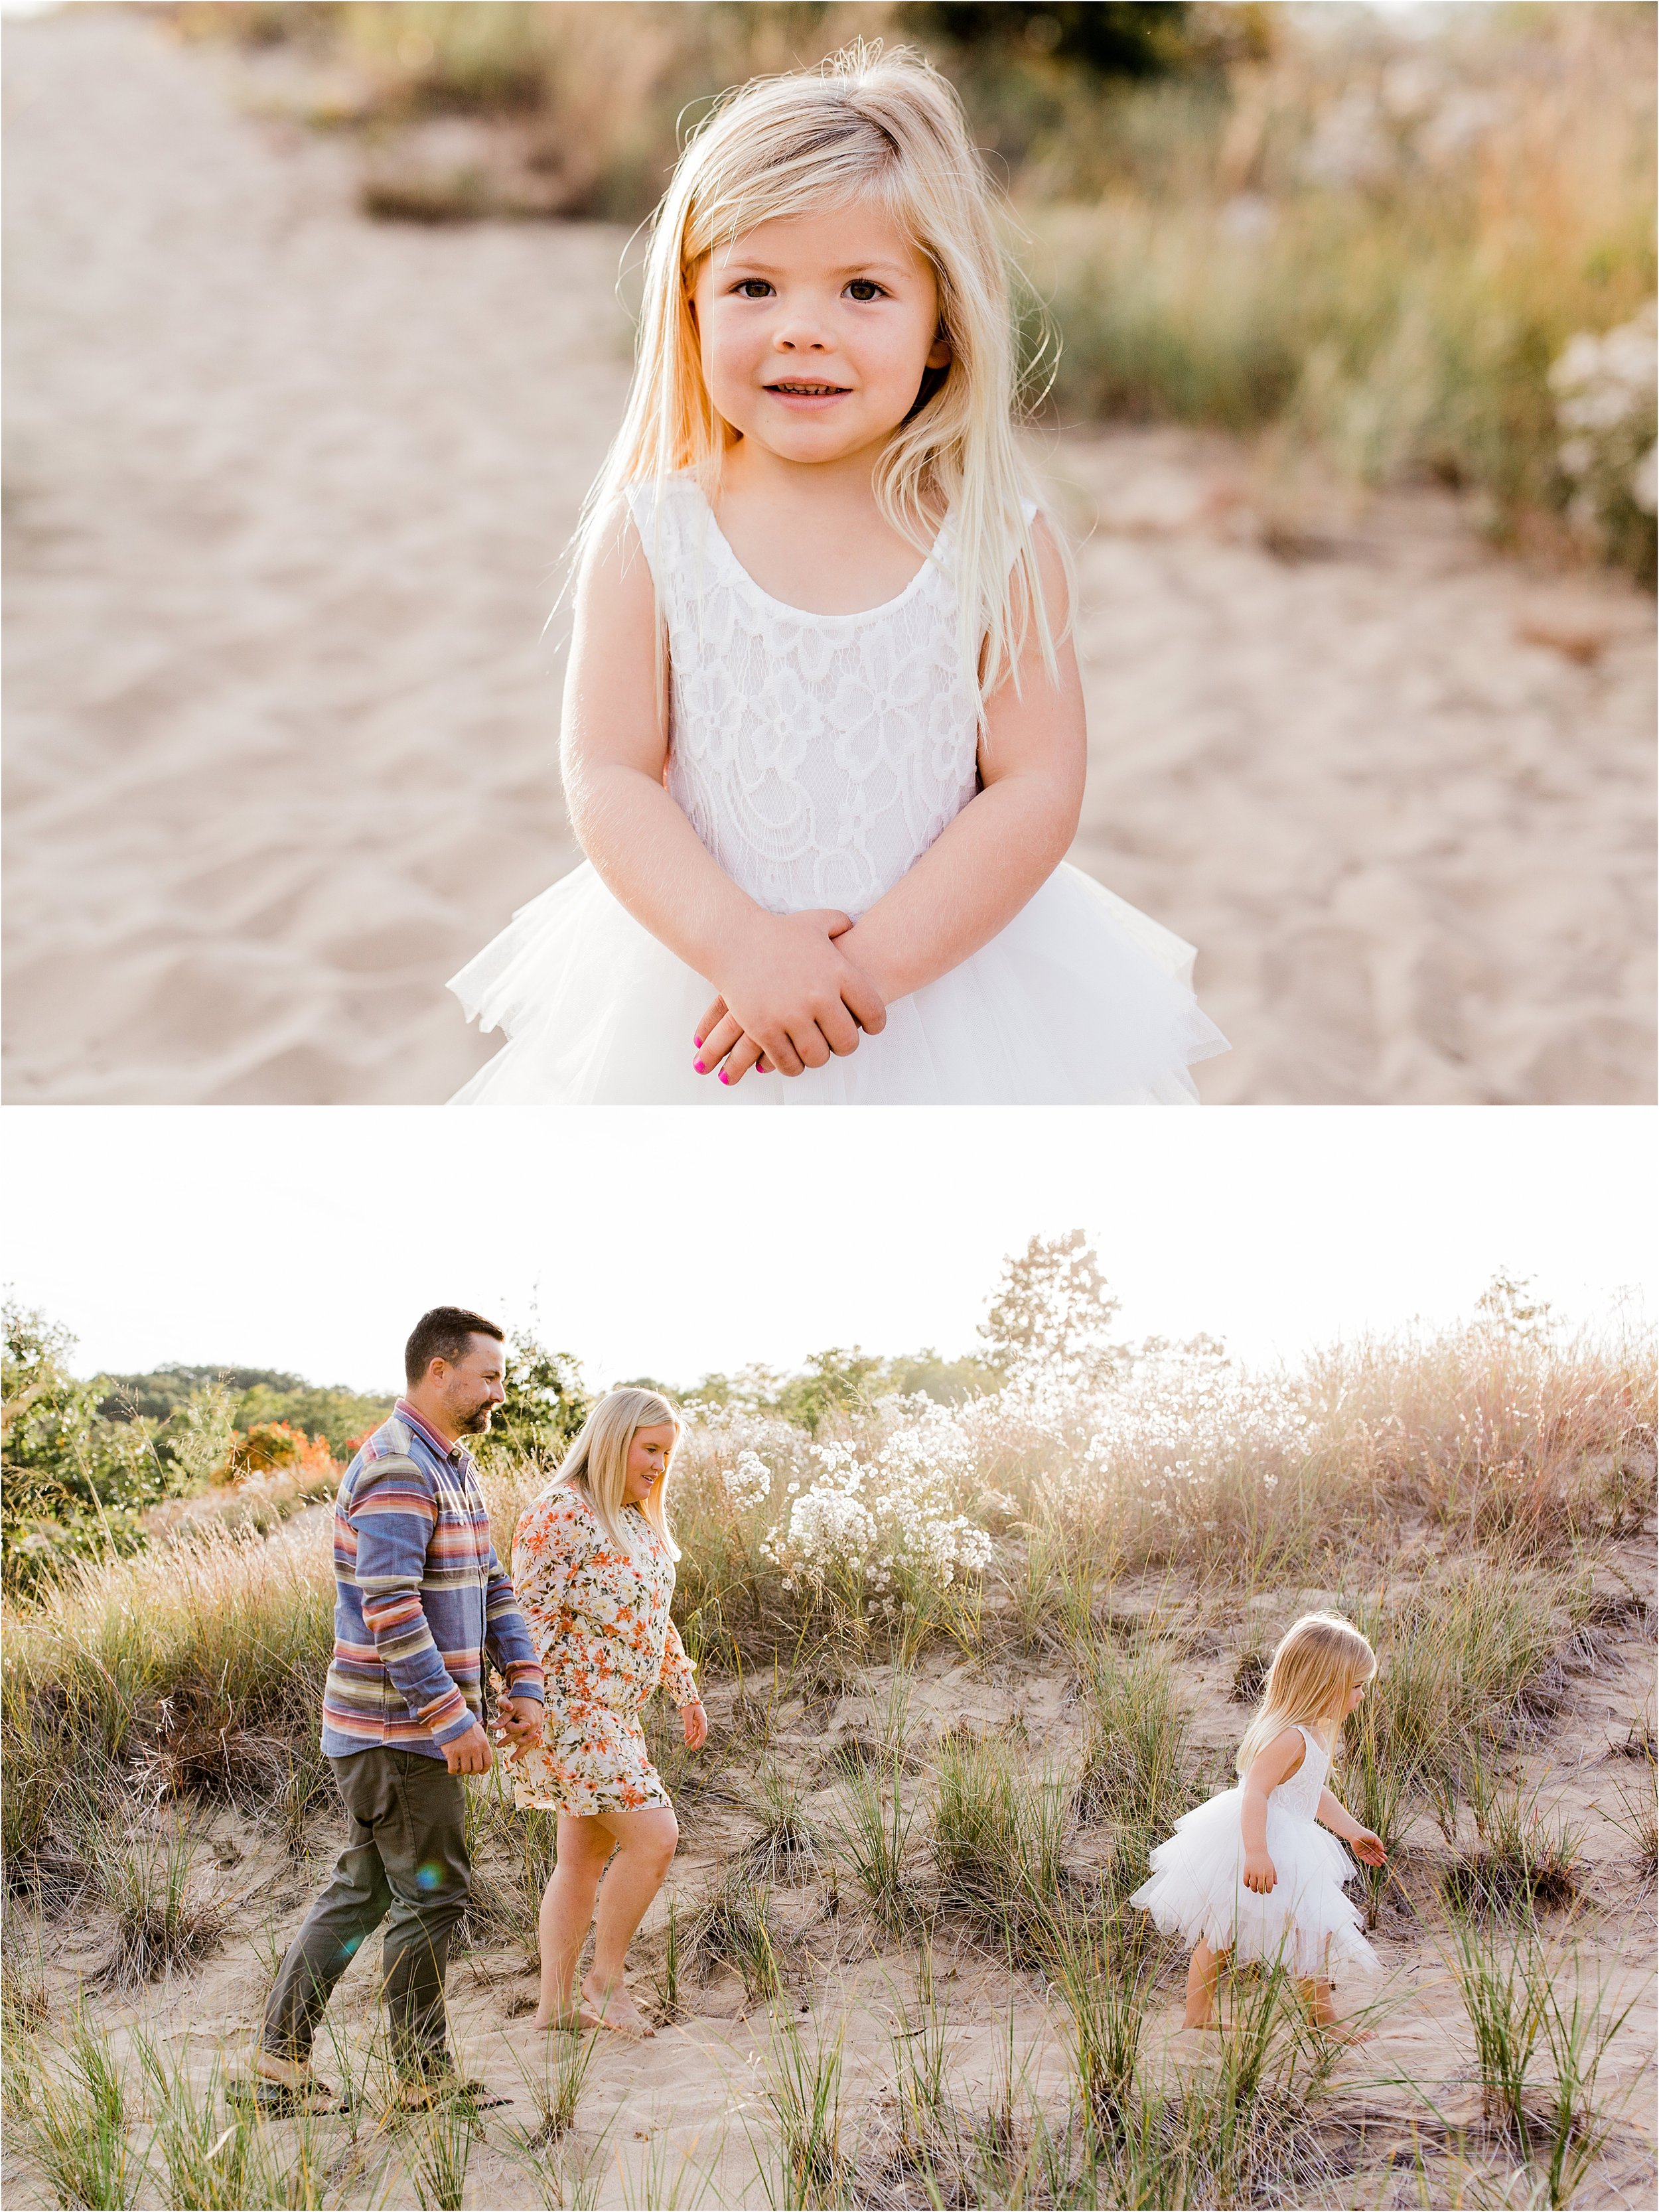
(419,1597)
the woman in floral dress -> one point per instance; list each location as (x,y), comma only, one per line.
(593,1567)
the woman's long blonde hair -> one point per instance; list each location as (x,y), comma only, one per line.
(597,1463)
(865,126)
(1320,1659)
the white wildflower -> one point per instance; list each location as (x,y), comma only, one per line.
(1606,396)
(749,1482)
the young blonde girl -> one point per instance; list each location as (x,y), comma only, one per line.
(823,737)
(593,1567)
(1250,1875)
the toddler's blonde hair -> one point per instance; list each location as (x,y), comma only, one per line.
(597,1463)
(887,128)
(1320,1659)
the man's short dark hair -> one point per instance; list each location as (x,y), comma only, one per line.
(445,1333)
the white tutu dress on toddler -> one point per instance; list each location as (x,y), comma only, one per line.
(819,756)
(1196,1890)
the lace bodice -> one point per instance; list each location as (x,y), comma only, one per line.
(1299,1797)
(817,756)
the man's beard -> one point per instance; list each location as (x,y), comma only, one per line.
(476,1424)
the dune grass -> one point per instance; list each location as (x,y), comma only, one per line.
(74,2118)
(1453,1492)
(802,2087)
(736,1927)
(1134,1753)
(197,1664)
(146,1874)
(874,1842)
(1392,253)
(998,1839)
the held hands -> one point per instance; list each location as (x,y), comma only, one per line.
(788,999)
(521,1721)
(695,1723)
(1260,1875)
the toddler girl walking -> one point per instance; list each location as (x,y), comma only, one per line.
(1251,1874)
(823,736)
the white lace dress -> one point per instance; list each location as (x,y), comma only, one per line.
(819,756)
(1197,1890)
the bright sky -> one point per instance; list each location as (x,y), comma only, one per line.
(673,1242)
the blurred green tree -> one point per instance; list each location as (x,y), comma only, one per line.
(832,1381)
(1113,39)
(546,1402)
(949,1381)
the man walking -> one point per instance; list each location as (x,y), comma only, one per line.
(420,1598)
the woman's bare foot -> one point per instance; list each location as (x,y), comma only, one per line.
(1198,2027)
(575,2020)
(614,2008)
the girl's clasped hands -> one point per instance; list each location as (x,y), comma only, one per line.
(799,1005)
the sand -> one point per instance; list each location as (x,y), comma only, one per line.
(680,2119)
(286,493)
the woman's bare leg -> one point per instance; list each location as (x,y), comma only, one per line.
(567,1909)
(646,1842)
(1203,1973)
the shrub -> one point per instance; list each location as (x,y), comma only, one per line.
(74,1483)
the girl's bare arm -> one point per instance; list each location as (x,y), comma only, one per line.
(1331,1812)
(797,993)
(1273,1765)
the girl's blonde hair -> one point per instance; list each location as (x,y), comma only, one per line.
(886,128)
(1320,1659)
(597,1463)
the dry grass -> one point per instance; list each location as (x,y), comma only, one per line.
(1374,247)
(1380,249)
(1455,1492)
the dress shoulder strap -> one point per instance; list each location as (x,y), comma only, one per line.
(667,511)
(673,518)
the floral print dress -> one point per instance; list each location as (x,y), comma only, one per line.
(600,1621)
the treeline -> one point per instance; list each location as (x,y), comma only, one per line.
(88,1462)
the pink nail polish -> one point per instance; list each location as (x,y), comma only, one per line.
(698,1042)
(725,1078)
(701,1069)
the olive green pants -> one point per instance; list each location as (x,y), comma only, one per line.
(404,1862)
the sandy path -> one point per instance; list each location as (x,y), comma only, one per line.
(681,2118)
(285,491)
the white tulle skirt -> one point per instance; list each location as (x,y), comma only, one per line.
(1196,1891)
(1080,1001)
